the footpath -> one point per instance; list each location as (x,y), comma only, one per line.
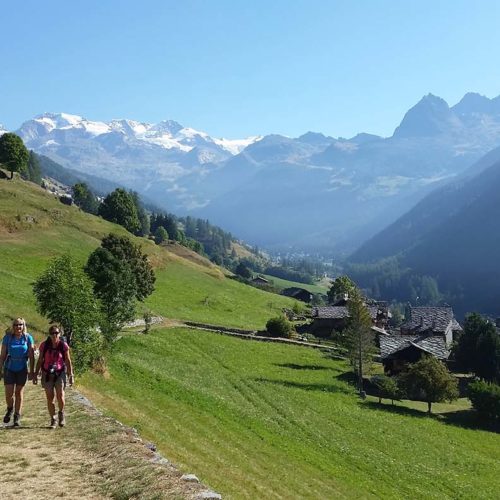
(93,457)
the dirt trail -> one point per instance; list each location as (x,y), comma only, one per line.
(93,457)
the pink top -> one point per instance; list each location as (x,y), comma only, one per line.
(54,356)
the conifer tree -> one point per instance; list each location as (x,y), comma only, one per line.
(360,340)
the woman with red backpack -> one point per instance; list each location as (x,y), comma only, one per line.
(17,350)
(54,362)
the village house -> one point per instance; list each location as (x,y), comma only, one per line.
(298,293)
(425,330)
(396,351)
(260,280)
(327,319)
(431,321)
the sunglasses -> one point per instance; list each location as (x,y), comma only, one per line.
(18,324)
(55,333)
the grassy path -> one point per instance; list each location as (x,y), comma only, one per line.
(92,457)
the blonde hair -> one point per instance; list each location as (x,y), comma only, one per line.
(19,320)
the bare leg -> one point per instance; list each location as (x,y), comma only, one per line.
(49,392)
(60,397)
(19,398)
(9,395)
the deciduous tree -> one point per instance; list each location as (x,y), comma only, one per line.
(85,198)
(13,153)
(341,286)
(122,276)
(64,295)
(429,380)
(119,207)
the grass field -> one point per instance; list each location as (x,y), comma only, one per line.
(320,287)
(258,420)
(35,227)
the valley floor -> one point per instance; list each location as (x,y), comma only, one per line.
(92,457)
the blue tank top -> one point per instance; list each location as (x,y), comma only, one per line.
(17,351)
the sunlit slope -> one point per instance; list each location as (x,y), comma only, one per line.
(261,421)
(35,227)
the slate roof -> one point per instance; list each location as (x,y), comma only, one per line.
(436,319)
(434,344)
(339,312)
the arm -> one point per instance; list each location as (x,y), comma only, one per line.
(38,364)
(31,357)
(3,355)
(69,364)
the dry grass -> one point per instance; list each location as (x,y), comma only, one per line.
(92,457)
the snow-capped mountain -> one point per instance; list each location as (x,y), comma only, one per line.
(167,134)
(311,191)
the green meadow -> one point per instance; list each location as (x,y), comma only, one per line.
(251,419)
(281,284)
(260,420)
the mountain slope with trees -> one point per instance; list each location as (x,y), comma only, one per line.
(451,236)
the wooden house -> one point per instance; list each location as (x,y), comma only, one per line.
(327,319)
(396,351)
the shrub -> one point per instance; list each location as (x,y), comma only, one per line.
(485,398)
(387,388)
(279,327)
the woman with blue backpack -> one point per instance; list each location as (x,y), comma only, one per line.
(17,350)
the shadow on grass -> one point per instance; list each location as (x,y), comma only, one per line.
(467,419)
(397,409)
(306,387)
(294,366)
(470,419)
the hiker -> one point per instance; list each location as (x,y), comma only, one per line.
(17,350)
(54,362)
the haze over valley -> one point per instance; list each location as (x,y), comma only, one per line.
(312,193)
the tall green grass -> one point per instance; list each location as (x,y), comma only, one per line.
(259,420)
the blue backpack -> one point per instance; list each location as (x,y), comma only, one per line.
(10,358)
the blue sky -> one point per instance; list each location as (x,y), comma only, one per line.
(238,68)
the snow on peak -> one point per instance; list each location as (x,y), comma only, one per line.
(168,134)
(236,146)
(59,120)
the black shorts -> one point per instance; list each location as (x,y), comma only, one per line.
(15,378)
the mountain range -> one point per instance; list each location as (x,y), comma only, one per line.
(312,192)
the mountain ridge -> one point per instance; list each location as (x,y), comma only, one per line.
(369,180)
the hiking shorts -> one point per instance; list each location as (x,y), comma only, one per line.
(51,382)
(15,378)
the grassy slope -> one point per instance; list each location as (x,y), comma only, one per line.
(259,420)
(35,227)
(281,284)
(254,420)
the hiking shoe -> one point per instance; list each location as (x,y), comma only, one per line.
(17,420)
(8,414)
(62,420)
(53,422)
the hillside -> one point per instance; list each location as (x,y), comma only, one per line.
(262,420)
(451,235)
(35,227)
(251,419)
